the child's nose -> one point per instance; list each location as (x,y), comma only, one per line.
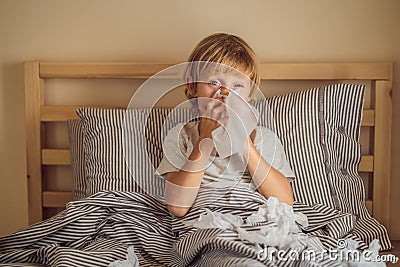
(224,91)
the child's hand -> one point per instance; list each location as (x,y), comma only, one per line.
(213,116)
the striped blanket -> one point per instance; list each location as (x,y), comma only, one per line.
(98,231)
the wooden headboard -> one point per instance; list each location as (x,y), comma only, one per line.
(39,114)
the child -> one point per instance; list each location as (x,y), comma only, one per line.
(193,143)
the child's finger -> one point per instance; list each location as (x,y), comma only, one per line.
(218,112)
(210,107)
(213,104)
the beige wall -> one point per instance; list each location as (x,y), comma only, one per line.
(96,30)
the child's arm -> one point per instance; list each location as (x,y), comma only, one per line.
(268,180)
(182,187)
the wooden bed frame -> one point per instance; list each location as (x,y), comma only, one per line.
(38,114)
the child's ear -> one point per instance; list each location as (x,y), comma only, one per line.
(191,87)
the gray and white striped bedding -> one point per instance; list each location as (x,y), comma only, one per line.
(98,230)
(319,129)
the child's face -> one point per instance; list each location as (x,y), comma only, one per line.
(226,81)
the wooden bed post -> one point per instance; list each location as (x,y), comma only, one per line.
(382,151)
(33,100)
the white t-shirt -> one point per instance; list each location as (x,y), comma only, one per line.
(221,172)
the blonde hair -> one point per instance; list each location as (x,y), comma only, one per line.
(226,49)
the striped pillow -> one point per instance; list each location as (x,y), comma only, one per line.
(105,167)
(104,142)
(76,134)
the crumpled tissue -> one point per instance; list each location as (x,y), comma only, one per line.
(243,118)
(280,234)
(285,230)
(280,213)
(360,260)
(131,260)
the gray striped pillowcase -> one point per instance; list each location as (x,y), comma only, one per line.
(99,156)
(76,134)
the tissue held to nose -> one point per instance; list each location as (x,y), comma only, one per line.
(231,137)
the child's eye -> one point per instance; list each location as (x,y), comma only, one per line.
(215,84)
(238,85)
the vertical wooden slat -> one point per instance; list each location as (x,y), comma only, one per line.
(382,150)
(33,140)
(42,94)
(43,139)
